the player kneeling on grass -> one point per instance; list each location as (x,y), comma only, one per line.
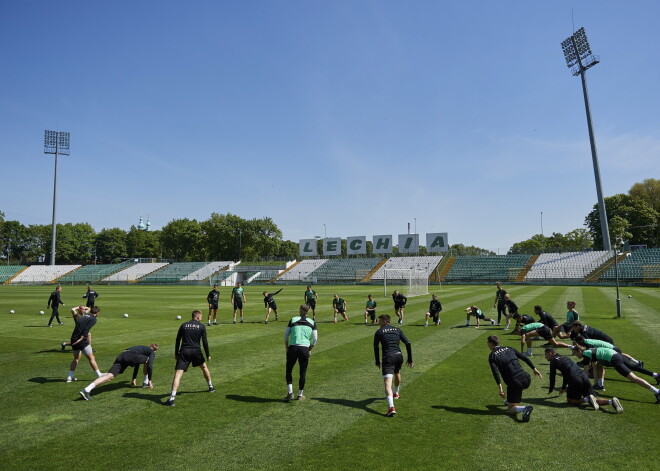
(133,356)
(389,337)
(476,312)
(504,361)
(339,307)
(434,311)
(609,357)
(370,310)
(537,329)
(575,383)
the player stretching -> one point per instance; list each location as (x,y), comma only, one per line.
(187,350)
(575,383)
(339,307)
(80,343)
(399,305)
(499,302)
(476,312)
(537,329)
(133,356)
(237,299)
(299,339)
(270,305)
(434,311)
(213,299)
(310,300)
(370,310)
(389,337)
(504,361)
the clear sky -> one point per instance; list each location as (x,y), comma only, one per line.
(360,115)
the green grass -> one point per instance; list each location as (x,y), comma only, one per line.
(449,415)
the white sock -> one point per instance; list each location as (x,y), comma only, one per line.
(90,387)
(529,350)
(300,392)
(520,409)
(146,379)
(610,402)
(98,373)
(655,375)
(655,390)
(585,400)
(172,395)
(390,401)
(210,384)
(290,388)
(71,373)
(601,382)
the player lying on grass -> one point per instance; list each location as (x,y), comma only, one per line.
(609,357)
(575,382)
(476,312)
(504,361)
(133,356)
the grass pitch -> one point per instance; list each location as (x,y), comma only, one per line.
(449,415)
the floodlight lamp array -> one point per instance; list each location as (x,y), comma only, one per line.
(50,142)
(64,138)
(56,142)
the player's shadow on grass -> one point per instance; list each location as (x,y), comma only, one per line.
(491,409)
(240,398)
(363,404)
(42,380)
(157,398)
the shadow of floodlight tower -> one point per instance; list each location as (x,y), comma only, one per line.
(579,58)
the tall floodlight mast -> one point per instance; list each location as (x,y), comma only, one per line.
(579,58)
(55,143)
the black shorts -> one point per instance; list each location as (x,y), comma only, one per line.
(372,315)
(579,388)
(311,304)
(340,310)
(398,306)
(90,304)
(213,306)
(273,306)
(126,359)
(544,332)
(187,356)
(435,315)
(80,346)
(238,303)
(515,389)
(618,362)
(392,364)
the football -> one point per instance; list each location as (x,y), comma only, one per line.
(125,315)
(178,318)
(630,295)
(11,312)
(41,312)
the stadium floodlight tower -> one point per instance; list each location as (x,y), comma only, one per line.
(579,58)
(55,142)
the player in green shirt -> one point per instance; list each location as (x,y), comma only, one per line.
(478,314)
(299,339)
(571,316)
(339,305)
(537,329)
(370,310)
(310,300)
(609,357)
(237,299)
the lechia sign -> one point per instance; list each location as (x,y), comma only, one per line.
(382,244)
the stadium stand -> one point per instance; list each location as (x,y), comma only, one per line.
(134,272)
(173,272)
(93,273)
(486,267)
(207,271)
(263,276)
(424,264)
(43,273)
(302,270)
(640,265)
(7,271)
(570,265)
(344,270)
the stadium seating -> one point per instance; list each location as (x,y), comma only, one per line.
(301,271)
(263,276)
(344,269)
(173,272)
(43,273)
(93,273)
(134,272)
(486,267)
(420,264)
(567,266)
(207,270)
(641,264)
(7,271)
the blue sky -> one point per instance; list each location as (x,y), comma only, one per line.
(360,115)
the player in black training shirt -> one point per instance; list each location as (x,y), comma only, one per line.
(91,296)
(270,305)
(504,361)
(54,303)
(389,337)
(588,332)
(187,350)
(545,318)
(575,382)
(399,305)
(213,298)
(512,308)
(80,343)
(133,356)
(434,311)
(499,302)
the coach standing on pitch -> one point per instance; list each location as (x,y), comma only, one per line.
(389,337)
(54,302)
(189,337)
(299,339)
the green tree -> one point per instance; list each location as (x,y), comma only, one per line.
(143,244)
(181,240)
(649,191)
(638,213)
(111,245)
(460,249)
(75,243)
(14,241)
